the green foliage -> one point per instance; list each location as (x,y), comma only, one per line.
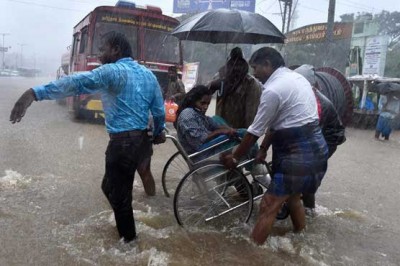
(347,18)
(389,24)
(392,67)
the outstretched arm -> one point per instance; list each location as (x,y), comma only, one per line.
(22,105)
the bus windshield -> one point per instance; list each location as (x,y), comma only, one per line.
(160,46)
(102,29)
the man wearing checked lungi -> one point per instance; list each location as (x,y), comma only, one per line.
(288,117)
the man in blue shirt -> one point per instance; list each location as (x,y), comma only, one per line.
(128,92)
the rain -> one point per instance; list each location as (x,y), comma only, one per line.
(52,163)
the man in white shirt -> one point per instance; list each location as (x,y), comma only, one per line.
(288,116)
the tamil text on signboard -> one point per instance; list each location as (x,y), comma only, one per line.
(317,33)
(375,55)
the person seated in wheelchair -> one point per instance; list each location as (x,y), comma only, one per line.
(197,131)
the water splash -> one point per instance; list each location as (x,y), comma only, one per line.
(13,179)
(80,141)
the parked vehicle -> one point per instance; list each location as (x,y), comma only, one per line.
(146,28)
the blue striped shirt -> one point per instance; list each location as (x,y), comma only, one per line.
(193,128)
(128,92)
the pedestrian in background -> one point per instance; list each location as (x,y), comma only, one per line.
(387,116)
(176,89)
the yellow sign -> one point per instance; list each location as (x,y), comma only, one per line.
(135,22)
(317,33)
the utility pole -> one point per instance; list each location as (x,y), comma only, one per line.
(21,57)
(3,50)
(286,14)
(329,28)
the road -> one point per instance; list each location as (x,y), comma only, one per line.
(52,211)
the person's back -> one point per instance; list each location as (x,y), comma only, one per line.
(392,105)
(240,106)
(329,119)
(330,123)
(296,100)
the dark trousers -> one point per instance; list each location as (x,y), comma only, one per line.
(122,158)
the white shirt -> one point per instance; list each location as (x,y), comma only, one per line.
(287,101)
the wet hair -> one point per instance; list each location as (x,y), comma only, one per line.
(261,56)
(235,71)
(195,94)
(236,53)
(115,39)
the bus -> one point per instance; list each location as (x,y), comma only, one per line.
(147,30)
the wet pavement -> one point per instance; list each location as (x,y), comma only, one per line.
(52,211)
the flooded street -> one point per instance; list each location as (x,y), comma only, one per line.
(52,210)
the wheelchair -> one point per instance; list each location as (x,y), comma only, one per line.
(204,190)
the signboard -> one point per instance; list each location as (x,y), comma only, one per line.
(189,75)
(138,21)
(375,55)
(317,33)
(196,6)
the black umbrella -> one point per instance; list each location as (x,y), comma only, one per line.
(228,26)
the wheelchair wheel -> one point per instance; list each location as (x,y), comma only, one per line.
(175,168)
(210,191)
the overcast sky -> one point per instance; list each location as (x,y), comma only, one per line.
(43,28)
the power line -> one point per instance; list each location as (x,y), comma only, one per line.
(311,8)
(355,5)
(359,4)
(266,9)
(3,48)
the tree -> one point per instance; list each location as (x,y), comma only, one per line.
(389,24)
(347,17)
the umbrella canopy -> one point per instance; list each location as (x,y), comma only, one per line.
(228,26)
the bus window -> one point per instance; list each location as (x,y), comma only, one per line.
(168,51)
(84,38)
(102,29)
(75,43)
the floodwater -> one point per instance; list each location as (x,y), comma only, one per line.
(52,211)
